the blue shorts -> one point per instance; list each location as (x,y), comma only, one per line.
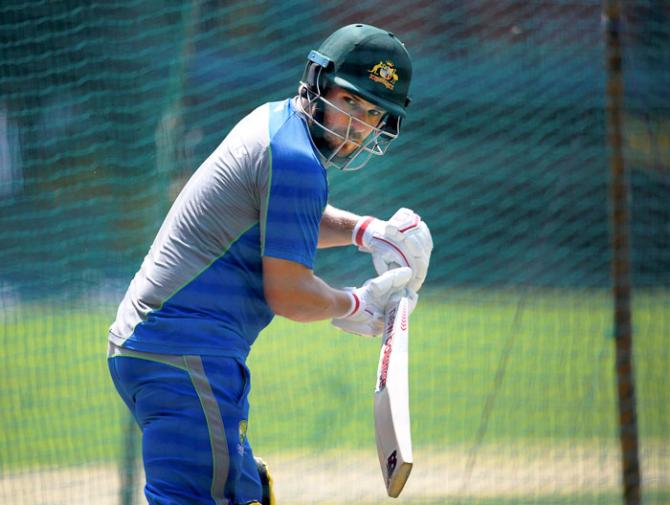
(193,413)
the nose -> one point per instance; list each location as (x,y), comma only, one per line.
(360,129)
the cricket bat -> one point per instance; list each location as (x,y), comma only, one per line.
(392,422)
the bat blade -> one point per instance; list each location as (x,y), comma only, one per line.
(391,407)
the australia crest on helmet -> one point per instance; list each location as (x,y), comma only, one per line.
(385,73)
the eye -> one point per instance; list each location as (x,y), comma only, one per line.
(374,112)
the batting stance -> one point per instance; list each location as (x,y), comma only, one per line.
(238,246)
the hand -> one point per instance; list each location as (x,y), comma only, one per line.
(370,301)
(403,240)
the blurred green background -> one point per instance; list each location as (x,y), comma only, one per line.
(312,391)
(107,108)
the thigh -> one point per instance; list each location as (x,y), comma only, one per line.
(243,478)
(249,486)
(190,411)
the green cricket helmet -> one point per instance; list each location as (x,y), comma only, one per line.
(370,63)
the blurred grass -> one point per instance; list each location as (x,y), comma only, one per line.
(312,386)
(580,499)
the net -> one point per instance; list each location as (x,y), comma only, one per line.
(106,108)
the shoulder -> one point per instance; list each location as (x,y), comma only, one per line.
(253,128)
(257,129)
(290,141)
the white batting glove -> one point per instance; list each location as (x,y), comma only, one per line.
(371,299)
(403,240)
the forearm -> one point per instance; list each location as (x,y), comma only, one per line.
(315,300)
(294,292)
(336,227)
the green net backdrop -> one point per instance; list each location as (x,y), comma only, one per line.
(106,108)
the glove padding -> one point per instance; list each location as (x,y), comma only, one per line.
(371,300)
(403,240)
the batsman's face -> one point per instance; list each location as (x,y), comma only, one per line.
(354,120)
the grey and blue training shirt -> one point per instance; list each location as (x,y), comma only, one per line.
(199,290)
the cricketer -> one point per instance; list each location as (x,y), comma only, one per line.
(237,247)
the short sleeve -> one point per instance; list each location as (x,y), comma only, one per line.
(294,199)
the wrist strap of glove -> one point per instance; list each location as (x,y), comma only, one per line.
(359,230)
(355,303)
